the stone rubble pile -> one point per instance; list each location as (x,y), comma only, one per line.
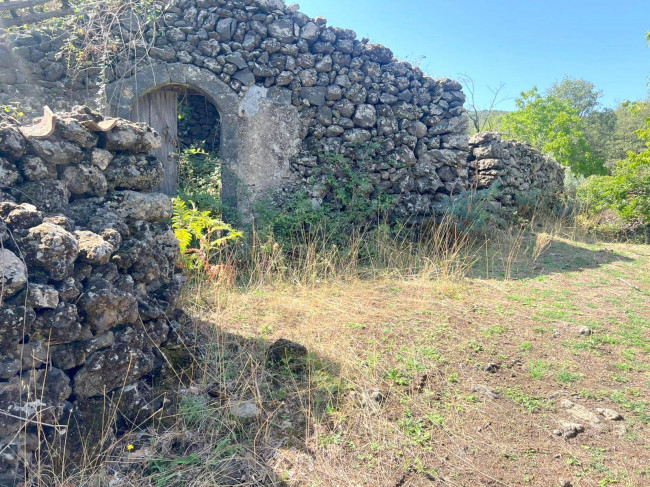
(88,279)
(519,170)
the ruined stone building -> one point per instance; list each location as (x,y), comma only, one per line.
(283,89)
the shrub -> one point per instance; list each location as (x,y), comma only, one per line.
(348,201)
(199,177)
(473,210)
(200,234)
(626,191)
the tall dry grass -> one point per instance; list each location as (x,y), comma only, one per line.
(442,253)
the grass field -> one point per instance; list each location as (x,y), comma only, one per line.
(491,375)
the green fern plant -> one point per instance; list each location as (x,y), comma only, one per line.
(201,235)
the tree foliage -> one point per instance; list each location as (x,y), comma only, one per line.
(554,126)
(578,93)
(627,190)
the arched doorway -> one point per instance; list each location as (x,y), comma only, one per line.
(152,95)
(190,128)
(261,131)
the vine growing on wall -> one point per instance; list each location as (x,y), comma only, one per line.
(109,40)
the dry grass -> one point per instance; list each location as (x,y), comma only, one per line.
(441,362)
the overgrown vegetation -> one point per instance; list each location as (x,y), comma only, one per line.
(627,189)
(409,355)
(348,201)
(607,152)
(200,179)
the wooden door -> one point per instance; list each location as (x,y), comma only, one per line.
(159,109)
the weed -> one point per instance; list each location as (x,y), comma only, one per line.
(566,377)
(415,429)
(526,346)
(398,377)
(533,404)
(538,369)
(495,331)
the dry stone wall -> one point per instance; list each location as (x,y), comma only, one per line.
(88,280)
(289,89)
(518,170)
(199,123)
(332,92)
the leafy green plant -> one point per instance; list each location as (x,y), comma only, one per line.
(533,404)
(165,470)
(415,428)
(470,210)
(538,369)
(200,234)
(398,377)
(348,199)
(627,190)
(199,175)
(553,125)
(12,110)
(566,377)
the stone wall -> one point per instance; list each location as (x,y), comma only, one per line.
(199,123)
(519,170)
(288,88)
(88,281)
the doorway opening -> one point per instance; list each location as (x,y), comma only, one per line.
(199,143)
(190,128)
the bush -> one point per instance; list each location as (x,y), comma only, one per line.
(199,174)
(348,201)
(474,210)
(626,191)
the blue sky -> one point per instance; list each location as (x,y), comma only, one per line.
(522,43)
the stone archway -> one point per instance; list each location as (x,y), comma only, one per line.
(122,97)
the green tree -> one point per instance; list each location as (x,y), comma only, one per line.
(553,126)
(630,118)
(600,128)
(580,94)
(627,190)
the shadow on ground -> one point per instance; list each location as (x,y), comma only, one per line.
(530,260)
(239,402)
